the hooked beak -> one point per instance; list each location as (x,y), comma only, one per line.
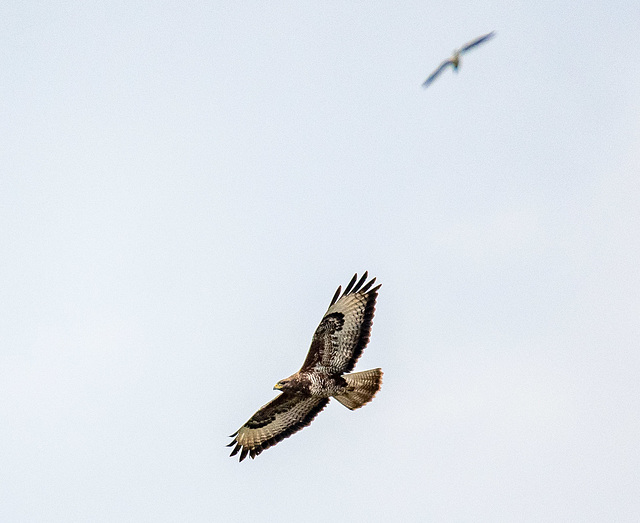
(277,386)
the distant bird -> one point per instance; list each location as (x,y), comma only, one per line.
(454,61)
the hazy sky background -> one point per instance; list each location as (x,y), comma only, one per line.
(184,185)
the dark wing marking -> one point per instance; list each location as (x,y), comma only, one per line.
(477,41)
(435,73)
(344,330)
(275,421)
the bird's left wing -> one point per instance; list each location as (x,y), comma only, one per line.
(345,328)
(280,418)
(477,41)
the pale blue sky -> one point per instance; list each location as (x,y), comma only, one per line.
(182,189)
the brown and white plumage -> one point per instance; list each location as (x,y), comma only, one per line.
(337,344)
(454,60)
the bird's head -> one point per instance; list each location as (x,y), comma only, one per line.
(290,384)
(281,385)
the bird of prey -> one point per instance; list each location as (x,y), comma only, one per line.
(336,346)
(454,61)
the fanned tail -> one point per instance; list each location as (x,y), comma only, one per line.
(361,388)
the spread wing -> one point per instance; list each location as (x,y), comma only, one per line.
(477,41)
(344,330)
(435,73)
(278,419)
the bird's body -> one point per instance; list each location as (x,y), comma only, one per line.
(318,385)
(454,60)
(326,373)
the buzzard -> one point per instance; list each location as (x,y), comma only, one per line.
(454,61)
(336,346)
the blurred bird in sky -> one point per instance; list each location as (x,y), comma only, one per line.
(454,61)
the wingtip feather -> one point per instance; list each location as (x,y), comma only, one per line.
(361,282)
(347,290)
(368,286)
(336,296)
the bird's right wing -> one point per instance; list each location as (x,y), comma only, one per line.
(280,418)
(435,73)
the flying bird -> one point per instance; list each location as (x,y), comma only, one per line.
(454,61)
(336,346)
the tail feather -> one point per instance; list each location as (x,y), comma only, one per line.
(361,388)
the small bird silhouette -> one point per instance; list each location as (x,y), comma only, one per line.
(454,61)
